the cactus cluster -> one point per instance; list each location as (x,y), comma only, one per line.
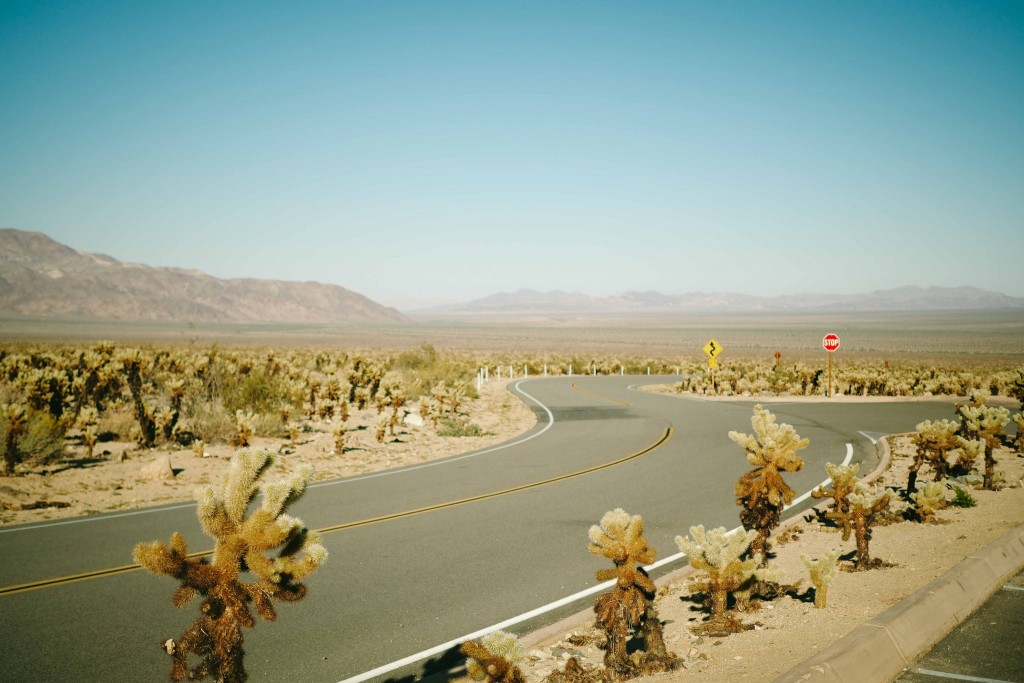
(762,492)
(243,542)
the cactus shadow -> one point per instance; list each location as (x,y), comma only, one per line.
(448,666)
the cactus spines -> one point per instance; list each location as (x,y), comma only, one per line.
(987,423)
(763,492)
(718,553)
(931,498)
(15,422)
(629,606)
(241,542)
(969,450)
(864,506)
(843,478)
(822,570)
(494,658)
(244,425)
(933,441)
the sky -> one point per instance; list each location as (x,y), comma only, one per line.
(436,152)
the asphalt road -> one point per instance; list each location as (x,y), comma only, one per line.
(493,535)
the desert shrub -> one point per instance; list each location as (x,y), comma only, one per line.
(962,499)
(257,391)
(29,437)
(210,422)
(458,425)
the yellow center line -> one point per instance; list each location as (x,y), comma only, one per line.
(114,571)
(591,393)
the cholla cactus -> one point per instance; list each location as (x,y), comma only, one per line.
(718,553)
(244,422)
(931,498)
(338,432)
(15,426)
(864,506)
(494,658)
(1018,420)
(241,543)
(843,479)
(381,426)
(987,423)
(763,492)
(968,453)
(933,441)
(629,607)
(822,570)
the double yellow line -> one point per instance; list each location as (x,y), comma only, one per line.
(114,571)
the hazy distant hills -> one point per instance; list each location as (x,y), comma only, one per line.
(528,301)
(43,278)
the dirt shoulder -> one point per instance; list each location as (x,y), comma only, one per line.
(121,476)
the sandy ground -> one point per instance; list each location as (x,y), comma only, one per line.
(787,630)
(106,483)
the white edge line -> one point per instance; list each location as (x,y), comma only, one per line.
(347,480)
(444,647)
(958,677)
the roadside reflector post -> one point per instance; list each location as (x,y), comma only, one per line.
(570,369)
(545,369)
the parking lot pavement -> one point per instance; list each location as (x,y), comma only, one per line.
(987,648)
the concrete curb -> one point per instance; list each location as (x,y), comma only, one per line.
(880,649)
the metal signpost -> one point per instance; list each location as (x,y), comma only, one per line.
(712,349)
(831,343)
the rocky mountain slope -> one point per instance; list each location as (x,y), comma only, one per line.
(42,278)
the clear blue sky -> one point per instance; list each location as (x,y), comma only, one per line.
(421,152)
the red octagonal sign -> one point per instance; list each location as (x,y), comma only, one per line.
(830,342)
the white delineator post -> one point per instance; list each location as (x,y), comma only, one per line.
(570,369)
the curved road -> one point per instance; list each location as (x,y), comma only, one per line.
(426,554)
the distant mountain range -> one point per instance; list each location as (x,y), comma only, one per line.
(529,301)
(42,278)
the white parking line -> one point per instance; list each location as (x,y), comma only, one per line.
(444,647)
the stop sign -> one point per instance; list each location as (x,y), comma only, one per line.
(830,342)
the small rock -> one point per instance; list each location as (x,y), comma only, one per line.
(158,469)
(413,420)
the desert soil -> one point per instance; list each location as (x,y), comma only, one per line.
(122,476)
(787,630)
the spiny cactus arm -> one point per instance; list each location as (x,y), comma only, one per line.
(167,560)
(763,483)
(239,485)
(277,496)
(608,574)
(929,499)
(771,443)
(715,548)
(619,537)
(495,657)
(212,515)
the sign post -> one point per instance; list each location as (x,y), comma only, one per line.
(712,349)
(831,343)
